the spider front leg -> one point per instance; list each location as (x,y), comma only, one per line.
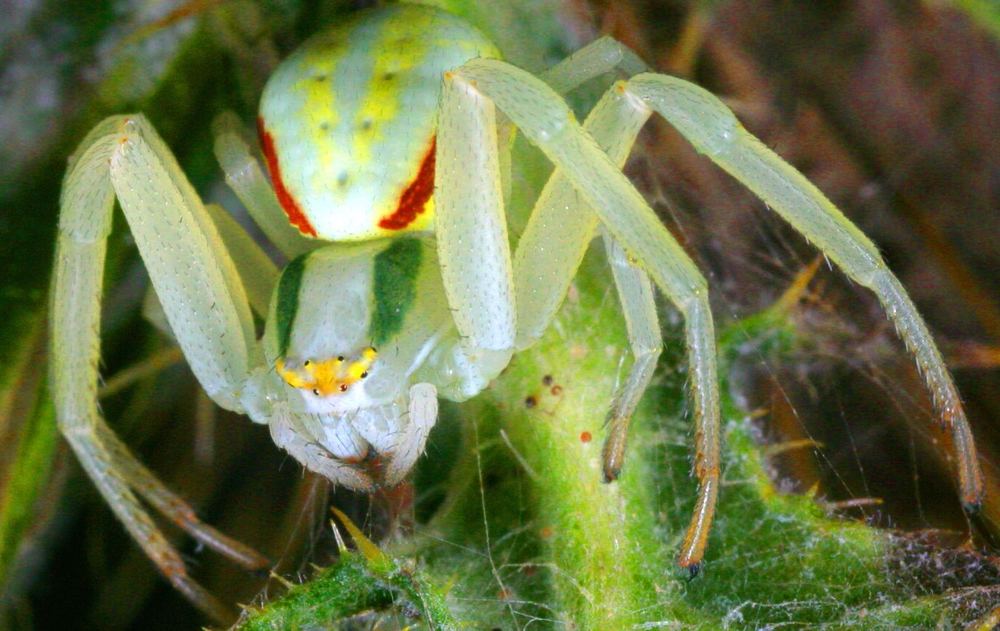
(471,228)
(201,295)
(471,231)
(467,104)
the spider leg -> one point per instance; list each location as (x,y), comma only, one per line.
(550,251)
(559,230)
(204,302)
(636,296)
(173,507)
(562,225)
(713,130)
(245,177)
(547,121)
(289,432)
(601,56)
(256,270)
(471,229)
(597,58)
(194,276)
(423,408)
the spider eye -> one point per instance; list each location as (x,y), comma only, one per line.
(316,391)
(307,362)
(340,358)
(364,374)
(343,387)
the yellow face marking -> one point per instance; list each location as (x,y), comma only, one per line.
(329,376)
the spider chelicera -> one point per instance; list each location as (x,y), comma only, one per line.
(388,171)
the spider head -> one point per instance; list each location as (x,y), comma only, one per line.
(326,377)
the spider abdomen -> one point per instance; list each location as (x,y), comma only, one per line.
(348,122)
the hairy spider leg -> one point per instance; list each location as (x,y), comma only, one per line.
(559,232)
(209,314)
(561,227)
(471,92)
(713,129)
(245,177)
(635,292)
(470,224)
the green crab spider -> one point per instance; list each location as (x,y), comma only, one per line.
(388,167)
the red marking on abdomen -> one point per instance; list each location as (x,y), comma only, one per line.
(414,198)
(288,203)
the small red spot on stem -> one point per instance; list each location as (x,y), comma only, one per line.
(586,437)
(414,198)
(288,203)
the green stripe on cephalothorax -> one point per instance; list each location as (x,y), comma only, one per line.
(287,301)
(396,271)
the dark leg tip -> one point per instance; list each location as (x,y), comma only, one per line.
(693,570)
(611,474)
